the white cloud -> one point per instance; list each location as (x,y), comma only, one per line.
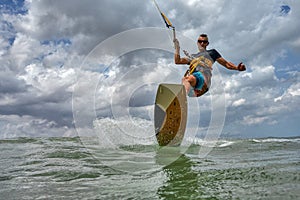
(28,126)
(293,92)
(250,120)
(48,81)
(238,102)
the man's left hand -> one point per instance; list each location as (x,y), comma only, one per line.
(241,67)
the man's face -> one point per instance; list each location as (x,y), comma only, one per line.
(202,42)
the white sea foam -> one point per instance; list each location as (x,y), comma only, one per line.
(226,143)
(210,143)
(267,140)
(125,131)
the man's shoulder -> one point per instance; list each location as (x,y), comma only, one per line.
(206,51)
(214,54)
(212,50)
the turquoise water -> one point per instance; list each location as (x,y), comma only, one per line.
(62,168)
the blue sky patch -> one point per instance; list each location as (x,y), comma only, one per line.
(63,41)
(13,7)
(285,9)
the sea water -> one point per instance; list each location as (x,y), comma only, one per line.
(63,168)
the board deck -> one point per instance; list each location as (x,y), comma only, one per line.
(170,114)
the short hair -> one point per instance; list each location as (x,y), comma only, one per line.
(203,35)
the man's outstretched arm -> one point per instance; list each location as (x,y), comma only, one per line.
(230,65)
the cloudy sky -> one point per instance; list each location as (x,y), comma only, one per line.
(72,57)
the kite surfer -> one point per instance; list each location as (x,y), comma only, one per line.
(197,79)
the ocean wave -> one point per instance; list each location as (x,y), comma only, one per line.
(275,140)
(210,143)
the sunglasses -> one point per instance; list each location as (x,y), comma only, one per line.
(204,41)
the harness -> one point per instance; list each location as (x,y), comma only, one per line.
(197,64)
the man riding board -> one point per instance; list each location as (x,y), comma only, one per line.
(197,79)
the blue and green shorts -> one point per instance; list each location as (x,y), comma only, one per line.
(199,80)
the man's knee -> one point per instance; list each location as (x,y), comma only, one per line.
(192,80)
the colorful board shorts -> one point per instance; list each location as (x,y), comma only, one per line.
(199,80)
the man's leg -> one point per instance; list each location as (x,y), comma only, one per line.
(188,81)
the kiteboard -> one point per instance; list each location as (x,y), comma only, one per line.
(170,114)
